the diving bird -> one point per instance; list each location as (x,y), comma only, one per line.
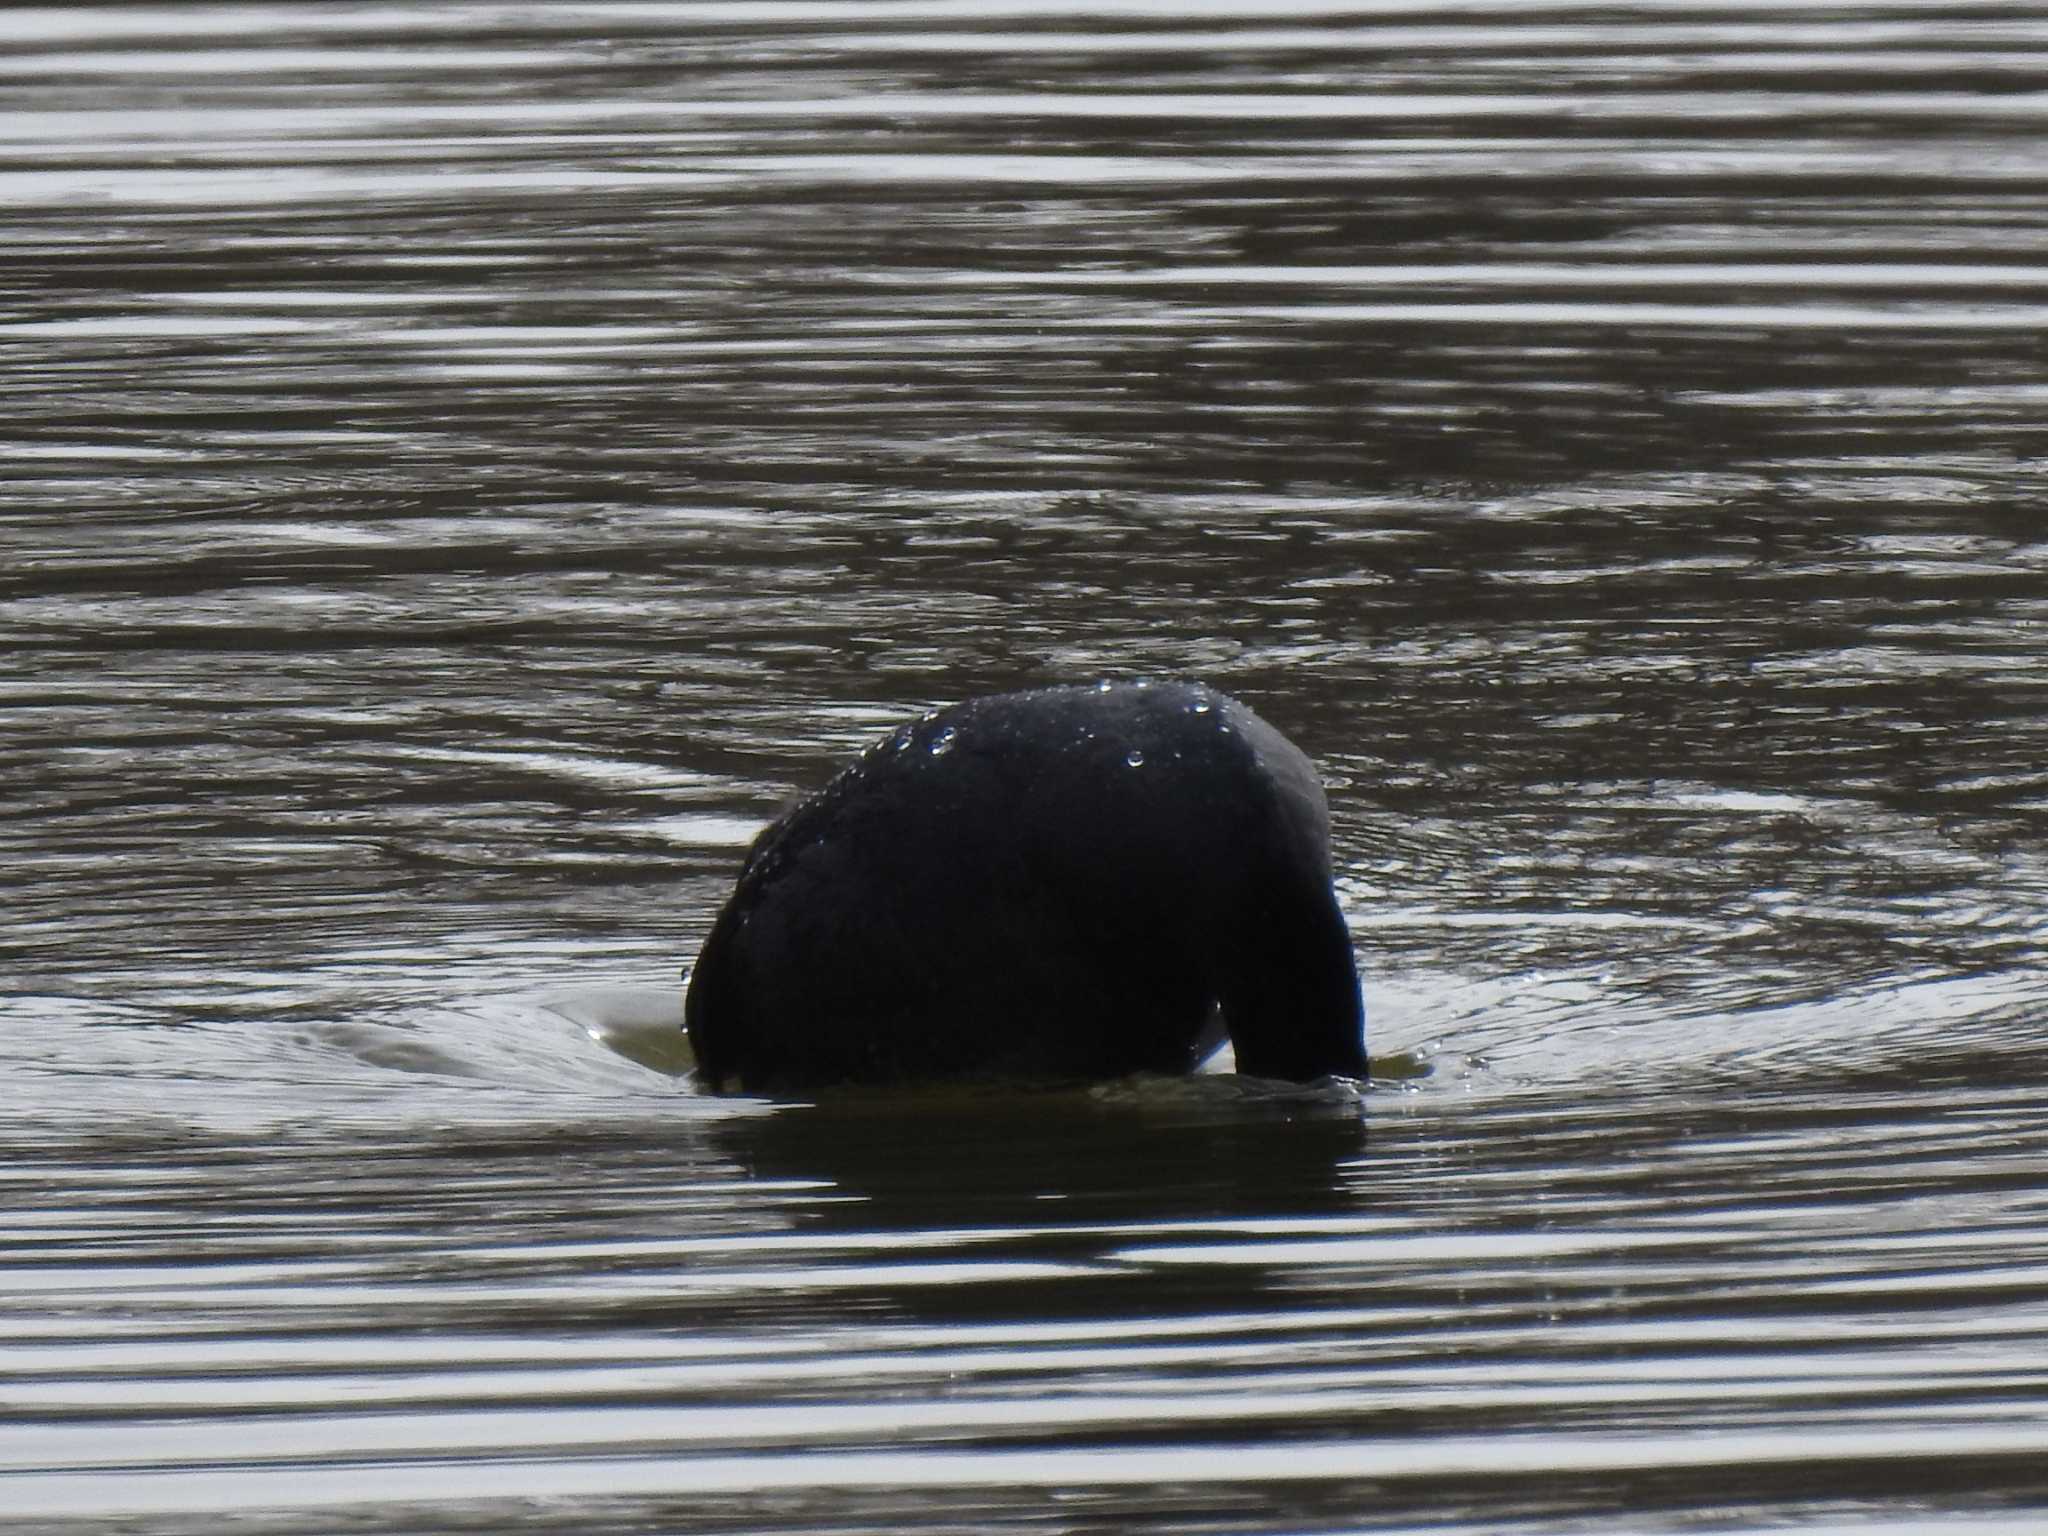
(1069,884)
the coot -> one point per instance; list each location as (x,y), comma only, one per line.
(1067,884)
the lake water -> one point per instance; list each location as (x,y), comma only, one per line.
(466,466)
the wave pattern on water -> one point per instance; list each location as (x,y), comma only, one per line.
(1493,1317)
(466,466)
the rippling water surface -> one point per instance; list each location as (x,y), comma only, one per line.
(466,466)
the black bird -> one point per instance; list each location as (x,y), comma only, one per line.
(1068,884)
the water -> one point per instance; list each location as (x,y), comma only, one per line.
(467,466)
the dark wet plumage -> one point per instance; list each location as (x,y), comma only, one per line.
(1074,883)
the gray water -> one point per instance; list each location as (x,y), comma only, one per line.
(467,466)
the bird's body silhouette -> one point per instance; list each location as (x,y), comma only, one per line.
(1066,884)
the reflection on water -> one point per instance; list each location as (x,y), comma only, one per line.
(469,465)
(1153,1311)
